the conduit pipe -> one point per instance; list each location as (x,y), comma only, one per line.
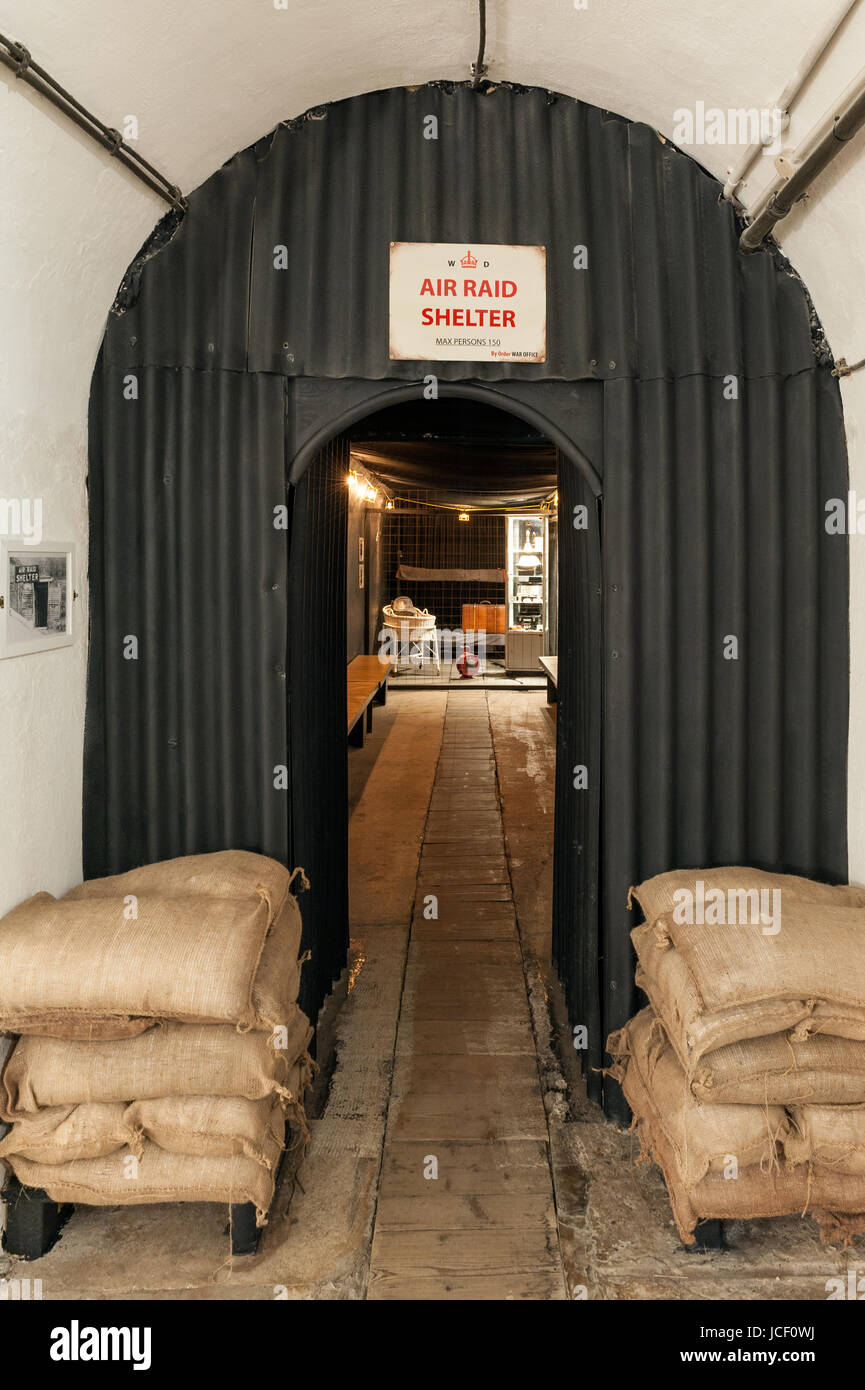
(809,159)
(809,61)
(18,59)
(479,67)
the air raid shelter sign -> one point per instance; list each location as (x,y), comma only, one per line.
(467,303)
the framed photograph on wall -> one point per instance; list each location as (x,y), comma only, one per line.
(37,587)
(360,551)
(360,575)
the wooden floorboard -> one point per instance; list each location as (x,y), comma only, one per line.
(466,1092)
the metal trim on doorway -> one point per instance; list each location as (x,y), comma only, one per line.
(471,391)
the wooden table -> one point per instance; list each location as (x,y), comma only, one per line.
(550,665)
(366,686)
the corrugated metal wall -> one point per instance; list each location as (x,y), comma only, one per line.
(317,695)
(713,487)
(713,528)
(666,292)
(187,689)
(576,860)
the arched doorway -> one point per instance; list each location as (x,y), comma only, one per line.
(316,693)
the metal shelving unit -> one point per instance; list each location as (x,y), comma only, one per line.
(526,591)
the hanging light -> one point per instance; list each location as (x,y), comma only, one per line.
(361,486)
(463,516)
(388,505)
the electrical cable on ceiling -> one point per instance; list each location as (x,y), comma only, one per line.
(479,68)
(477,507)
(19,60)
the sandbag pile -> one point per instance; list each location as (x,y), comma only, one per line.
(746,1075)
(161,1048)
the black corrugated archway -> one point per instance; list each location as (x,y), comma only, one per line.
(696,380)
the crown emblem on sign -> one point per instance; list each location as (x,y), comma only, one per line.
(469,261)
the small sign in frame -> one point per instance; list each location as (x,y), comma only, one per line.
(37,593)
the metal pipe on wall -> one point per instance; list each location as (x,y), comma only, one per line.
(816,151)
(18,59)
(804,70)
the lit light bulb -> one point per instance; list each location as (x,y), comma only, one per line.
(463,516)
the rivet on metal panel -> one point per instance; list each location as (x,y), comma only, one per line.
(612,365)
(166,478)
(274,587)
(172,743)
(614,655)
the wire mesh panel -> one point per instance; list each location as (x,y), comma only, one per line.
(317,714)
(421,535)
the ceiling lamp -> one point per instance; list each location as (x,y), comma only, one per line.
(463,516)
(388,505)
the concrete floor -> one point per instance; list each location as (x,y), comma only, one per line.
(449,1042)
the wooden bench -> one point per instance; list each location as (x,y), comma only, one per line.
(366,682)
(550,665)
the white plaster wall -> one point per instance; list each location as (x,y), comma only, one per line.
(207,77)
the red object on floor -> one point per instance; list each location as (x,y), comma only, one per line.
(467,665)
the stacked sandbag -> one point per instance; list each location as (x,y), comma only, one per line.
(722,1161)
(161,1046)
(757,1023)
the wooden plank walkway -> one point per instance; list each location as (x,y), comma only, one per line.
(466,1099)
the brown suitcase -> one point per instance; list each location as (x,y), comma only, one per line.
(469,617)
(491,616)
(483,617)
